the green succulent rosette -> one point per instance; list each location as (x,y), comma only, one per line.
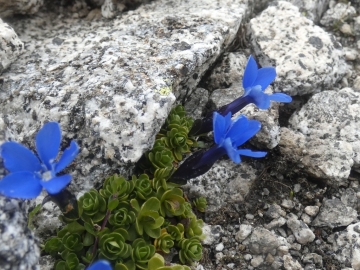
(141,253)
(117,187)
(122,216)
(200,204)
(53,246)
(176,232)
(188,212)
(70,263)
(160,156)
(165,242)
(148,219)
(143,187)
(190,250)
(93,205)
(72,242)
(194,229)
(113,246)
(172,201)
(157,262)
(177,141)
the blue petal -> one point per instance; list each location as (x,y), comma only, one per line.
(264,77)
(48,143)
(56,184)
(259,98)
(280,97)
(21,185)
(67,157)
(231,151)
(249,153)
(238,127)
(220,125)
(253,127)
(18,158)
(100,265)
(250,73)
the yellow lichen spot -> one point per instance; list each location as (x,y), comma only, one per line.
(164,91)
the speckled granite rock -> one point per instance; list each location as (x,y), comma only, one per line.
(328,159)
(337,13)
(334,213)
(332,115)
(111,84)
(346,245)
(307,59)
(225,183)
(10,7)
(18,248)
(10,46)
(311,9)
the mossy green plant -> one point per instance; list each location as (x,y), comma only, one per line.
(129,222)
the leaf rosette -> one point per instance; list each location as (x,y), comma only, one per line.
(123,216)
(190,250)
(160,156)
(148,218)
(73,242)
(176,232)
(200,204)
(141,253)
(164,242)
(113,247)
(172,201)
(157,262)
(93,205)
(143,187)
(118,187)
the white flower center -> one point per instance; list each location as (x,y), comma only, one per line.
(46,176)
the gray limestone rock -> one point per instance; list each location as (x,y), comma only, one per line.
(291,264)
(228,72)
(300,230)
(10,46)
(195,103)
(307,59)
(347,246)
(323,158)
(262,241)
(111,83)
(10,7)
(333,213)
(332,115)
(337,14)
(311,9)
(224,184)
(18,248)
(244,231)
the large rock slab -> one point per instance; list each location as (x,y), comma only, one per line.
(10,46)
(332,115)
(307,59)
(10,7)
(111,83)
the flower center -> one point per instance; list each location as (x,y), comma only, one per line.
(46,176)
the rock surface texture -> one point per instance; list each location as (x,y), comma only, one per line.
(307,59)
(112,82)
(109,82)
(10,46)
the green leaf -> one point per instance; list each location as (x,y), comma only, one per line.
(32,215)
(88,239)
(112,203)
(74,227)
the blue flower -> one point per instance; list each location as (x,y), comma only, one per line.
(255,81)
(228,136)
(100,265)
(29,175)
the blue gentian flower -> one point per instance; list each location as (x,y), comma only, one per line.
(255,81)
(29,175)
(100,265)
(228,136)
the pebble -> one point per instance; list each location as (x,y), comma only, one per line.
(247,257)
(256,261)
(346,29)
(289,204)
(249,216)
(297,188)
(311,210)
(244,231)
(219,247)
